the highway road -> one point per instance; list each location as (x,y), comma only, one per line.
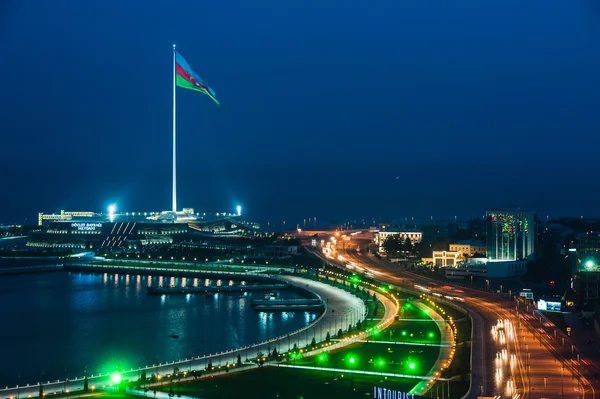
(524,369)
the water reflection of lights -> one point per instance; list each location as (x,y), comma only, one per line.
(188,297)
(163,299)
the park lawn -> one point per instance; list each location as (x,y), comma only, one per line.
(422,332)
(283,382)
(371,356)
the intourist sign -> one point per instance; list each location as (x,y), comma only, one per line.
(384,393)
(86,226)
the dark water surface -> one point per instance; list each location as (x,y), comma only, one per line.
(52,322)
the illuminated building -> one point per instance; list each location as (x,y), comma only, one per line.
(510,235)
(588,252)
(469,247)
(129,230)
(446,258)
(63,215)
(382,235)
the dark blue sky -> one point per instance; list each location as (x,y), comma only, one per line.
(473,104)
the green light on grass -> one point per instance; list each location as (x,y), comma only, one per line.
(404,333)
(412,366)
(589,264)
(426,311)
(352,360)
(116,378)
(430,335)
(376,332)
(380,362)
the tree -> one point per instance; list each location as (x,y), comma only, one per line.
(274,353)
(392,245)
(295,348)
(85,384)
(407,246)
(358,325)
(340,333)
(171,394)
(375,309)
(327,337)
(210,366)
(239,360)
(143,376)
(349,328)
(41,392)
(313,342)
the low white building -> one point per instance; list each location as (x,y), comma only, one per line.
(382,235)
(446,258)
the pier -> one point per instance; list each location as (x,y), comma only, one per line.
(288,305)
(214,289)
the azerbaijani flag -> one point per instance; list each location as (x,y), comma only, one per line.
(189,79)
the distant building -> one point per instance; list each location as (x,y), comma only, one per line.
(469,247)
(62,216)
(446,258)
(588,252)
(382,235)
(511,235)
(587,280)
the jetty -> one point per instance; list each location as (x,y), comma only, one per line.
(214,289)
(288,305)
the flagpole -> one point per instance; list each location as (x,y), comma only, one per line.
(174,130)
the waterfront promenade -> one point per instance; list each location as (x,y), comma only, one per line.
(342,309)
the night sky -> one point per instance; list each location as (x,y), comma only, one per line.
(336,109)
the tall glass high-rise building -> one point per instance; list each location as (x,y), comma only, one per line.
(510,235)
